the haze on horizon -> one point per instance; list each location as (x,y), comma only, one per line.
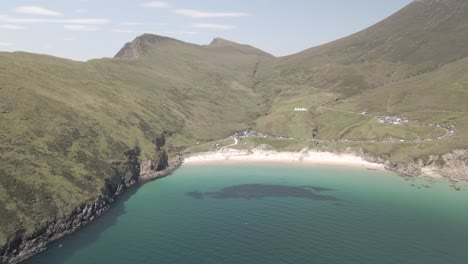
(84,29)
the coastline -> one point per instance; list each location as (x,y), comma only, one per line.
(27,245)
(24,247)
(451,166)
(305,157)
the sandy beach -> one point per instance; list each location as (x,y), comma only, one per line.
(303,157)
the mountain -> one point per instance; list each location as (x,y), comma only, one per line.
(74,134)
(409,64)
(419,38)
(70,129)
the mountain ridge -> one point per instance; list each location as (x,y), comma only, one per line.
(141,44)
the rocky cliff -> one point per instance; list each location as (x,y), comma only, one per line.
(453,166)
(126,174)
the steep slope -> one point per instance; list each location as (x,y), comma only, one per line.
(437,97)
(69,129)
(419,40)
(215,82)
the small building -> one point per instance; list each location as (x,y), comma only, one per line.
(300,109)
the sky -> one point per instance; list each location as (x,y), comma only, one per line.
(87,29)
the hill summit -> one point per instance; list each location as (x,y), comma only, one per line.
(141,44)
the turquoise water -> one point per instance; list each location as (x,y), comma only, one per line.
(275,214)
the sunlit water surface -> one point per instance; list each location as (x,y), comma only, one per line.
(275,214)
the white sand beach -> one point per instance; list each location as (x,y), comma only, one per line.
(303,157)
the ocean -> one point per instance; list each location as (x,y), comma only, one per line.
(265,213)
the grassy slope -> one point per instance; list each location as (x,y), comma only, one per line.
(438,97)
(410,64)
(64,122)
(419,38)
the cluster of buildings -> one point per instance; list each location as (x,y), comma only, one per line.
(394,120)
(249,133)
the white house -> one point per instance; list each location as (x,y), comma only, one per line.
(300,109)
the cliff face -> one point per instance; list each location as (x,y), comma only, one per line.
(24,246)
(128,51)
(125,175)
(148,168)
(143,44)
(453,166)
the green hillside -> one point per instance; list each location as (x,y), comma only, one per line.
(65,122)
(410,64)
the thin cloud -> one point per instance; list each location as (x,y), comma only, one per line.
(15,20)
(82,11)
(130,23)
(202,14)
(81,27)
(36,10)
(213,26)
(5,44)
(156,4)
(12,27)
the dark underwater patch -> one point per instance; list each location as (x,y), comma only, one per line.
(259,191)
(196,195)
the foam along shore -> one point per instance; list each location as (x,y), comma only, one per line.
(303,157)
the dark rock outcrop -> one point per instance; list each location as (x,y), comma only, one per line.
(453,166)
(26,245)
(149,169)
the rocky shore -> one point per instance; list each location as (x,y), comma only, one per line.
(452,166)
(126,174)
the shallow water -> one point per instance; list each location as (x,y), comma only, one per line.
(275,214)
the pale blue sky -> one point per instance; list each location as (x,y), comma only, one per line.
(86,29)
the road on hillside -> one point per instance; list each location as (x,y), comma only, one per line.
(235,143)
(449,132)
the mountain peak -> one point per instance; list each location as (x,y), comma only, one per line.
(222,42)
(155,39)
(142,44)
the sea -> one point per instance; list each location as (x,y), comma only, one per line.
(275,213)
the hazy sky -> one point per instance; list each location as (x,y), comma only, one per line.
(85,29)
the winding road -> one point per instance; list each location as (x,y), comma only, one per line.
(449,132)
(235,143)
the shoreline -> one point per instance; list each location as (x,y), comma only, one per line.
(30,245)
(305,157)
(26,246)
